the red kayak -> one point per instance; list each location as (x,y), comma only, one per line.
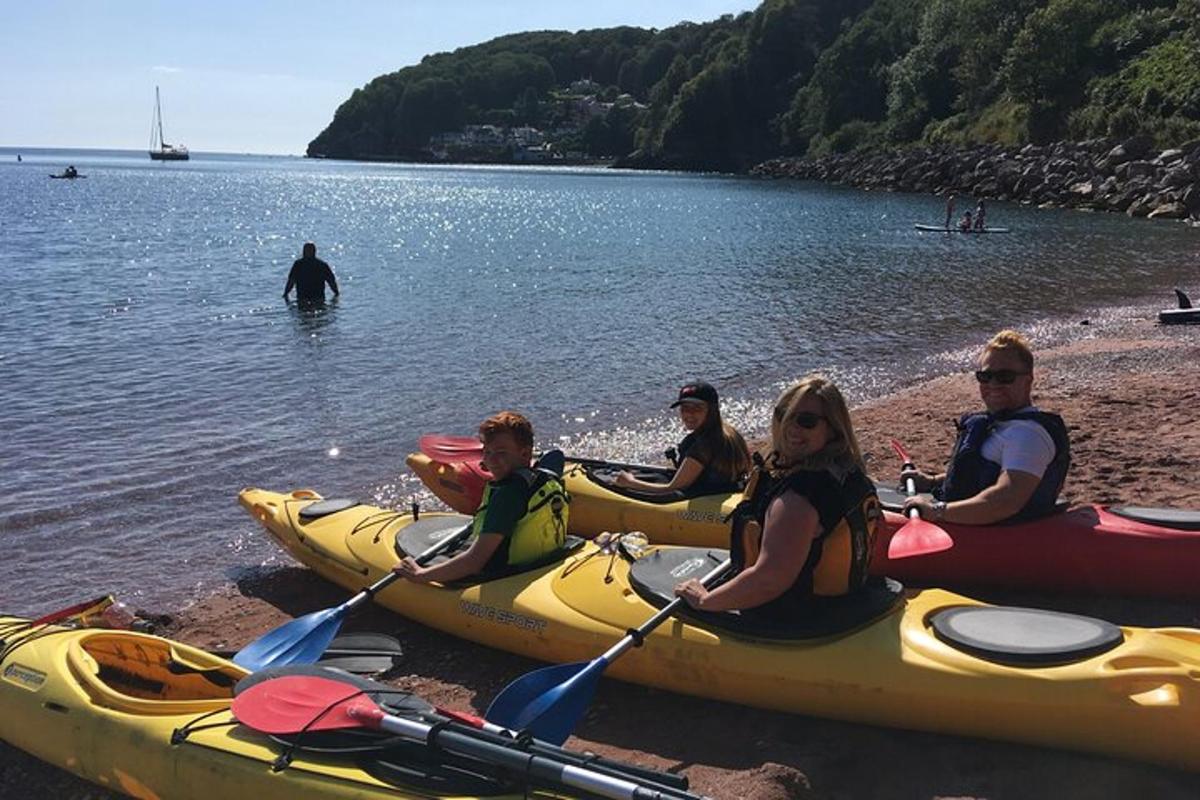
(1089,549)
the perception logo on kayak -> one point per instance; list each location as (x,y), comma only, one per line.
(692,565)
(24,676)
(502,616)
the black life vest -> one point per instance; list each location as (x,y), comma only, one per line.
(708,482)
(969,473)
(839,557)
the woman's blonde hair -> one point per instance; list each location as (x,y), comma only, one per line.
(1009,341)
(842,451)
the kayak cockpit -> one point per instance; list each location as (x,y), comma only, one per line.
(420,535)
(655,576)
(139,674)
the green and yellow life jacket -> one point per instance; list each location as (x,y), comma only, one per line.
(543,527)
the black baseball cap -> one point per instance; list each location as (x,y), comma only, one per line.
(697,390)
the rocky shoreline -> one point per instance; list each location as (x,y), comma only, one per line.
(1129,176)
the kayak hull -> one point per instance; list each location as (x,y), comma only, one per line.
(1138,700)
(1087,549)
(63,705)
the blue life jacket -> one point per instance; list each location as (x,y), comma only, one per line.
(969,473)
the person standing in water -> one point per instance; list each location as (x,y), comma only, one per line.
(308,276)
(949,210)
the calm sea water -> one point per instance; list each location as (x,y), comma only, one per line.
(149,367)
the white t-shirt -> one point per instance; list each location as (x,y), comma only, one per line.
(1020,445)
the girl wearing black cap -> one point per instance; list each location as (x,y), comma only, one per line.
(712,458)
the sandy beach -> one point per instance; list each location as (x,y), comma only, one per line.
(1132,401)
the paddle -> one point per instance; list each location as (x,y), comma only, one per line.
(87,608)
(304,639)
(459,449)
(550,701)
(916,537)
(359,653)
(296,704)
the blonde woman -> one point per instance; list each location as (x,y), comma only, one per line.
(806,531)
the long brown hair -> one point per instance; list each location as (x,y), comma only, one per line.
(727,452)
(842,452)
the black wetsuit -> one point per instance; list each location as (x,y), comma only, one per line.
(309,276)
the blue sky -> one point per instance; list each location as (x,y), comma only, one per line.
(248,77)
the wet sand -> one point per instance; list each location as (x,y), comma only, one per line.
(1132,400)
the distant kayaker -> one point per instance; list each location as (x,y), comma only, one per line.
(71,172)
(949,211)
(980,214)
(965,224)
(1009,462)
(308,276)
(806,528)
(522,516)
(712,458)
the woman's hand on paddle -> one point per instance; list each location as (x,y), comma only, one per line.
(410,570)
(692,592)
(923,480)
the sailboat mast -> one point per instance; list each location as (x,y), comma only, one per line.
(158,115)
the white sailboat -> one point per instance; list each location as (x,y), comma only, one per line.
(159,149)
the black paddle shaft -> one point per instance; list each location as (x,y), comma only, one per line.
(635,637)
(424,558)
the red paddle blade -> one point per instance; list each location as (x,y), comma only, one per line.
(918,538)
(450,449)
(900,451)
(296,703)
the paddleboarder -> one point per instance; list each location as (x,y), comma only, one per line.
(308,276)
(521,518)
(1010,461)
(805,531)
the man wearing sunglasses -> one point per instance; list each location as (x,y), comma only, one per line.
(1009,463)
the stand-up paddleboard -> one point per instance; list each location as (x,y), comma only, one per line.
(955,229)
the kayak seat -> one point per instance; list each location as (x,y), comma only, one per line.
(323,508)
(655,576)
(1024,637)
(140,674)
(1179,519)
(604,476)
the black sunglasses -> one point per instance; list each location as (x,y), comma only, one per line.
(806,420)
(1004,377)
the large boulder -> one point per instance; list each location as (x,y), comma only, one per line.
(1173,210)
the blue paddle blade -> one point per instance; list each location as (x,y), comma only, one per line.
(301,641)
(548,702)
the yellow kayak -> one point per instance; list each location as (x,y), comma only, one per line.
(150,718)
(928,660)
